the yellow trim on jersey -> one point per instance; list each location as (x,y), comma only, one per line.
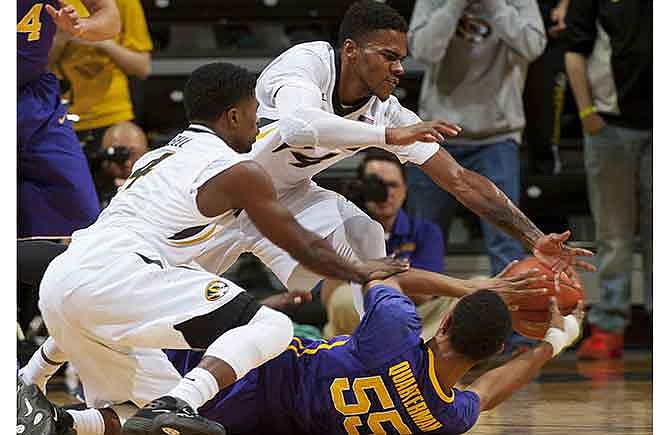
(433,379)
(260,136)
(300,349)
(207,235)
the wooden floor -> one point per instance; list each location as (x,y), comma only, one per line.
(569,398)
(577,398)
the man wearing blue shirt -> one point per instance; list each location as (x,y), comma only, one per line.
(416,239)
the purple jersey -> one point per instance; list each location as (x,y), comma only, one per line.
(56,195)
(34,34)
(381,379)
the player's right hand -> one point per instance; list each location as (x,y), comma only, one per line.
(382,268)
(430,131)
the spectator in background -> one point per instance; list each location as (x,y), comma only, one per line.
(95,74)
(545,92)
(477,53)
(407,236)
(121,146)
(608,61)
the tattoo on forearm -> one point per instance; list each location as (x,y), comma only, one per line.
(492,204)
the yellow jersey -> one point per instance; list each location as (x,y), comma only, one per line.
(99,91)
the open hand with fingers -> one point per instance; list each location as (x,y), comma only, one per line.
(562,259)
(67,18)
(430,131)
(509,285)
(514,287)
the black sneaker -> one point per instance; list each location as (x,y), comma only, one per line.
(170,416)
(35,415)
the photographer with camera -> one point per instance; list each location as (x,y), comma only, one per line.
(111,162)
(380,189)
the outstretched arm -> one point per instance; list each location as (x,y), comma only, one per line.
(495,386)
(302,122)
(247,186)
(423,282)
(481,196)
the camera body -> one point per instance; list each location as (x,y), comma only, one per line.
(114,154)
(366,188)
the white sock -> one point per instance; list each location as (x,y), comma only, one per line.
(38,370)
(88,422)
(196,388)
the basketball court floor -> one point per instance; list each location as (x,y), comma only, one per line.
(569,397)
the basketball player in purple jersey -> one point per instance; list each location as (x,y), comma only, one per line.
(55,190)
(383,378)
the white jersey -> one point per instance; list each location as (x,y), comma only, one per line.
(312,65)
(156,208)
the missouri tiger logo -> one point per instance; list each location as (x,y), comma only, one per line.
(215,290)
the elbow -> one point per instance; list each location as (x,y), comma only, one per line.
(295,130)
(538,48)
(114,23)
(144,71)
(535,47)
(458,181)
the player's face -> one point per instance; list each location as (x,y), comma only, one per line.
(246,125)
(391,174)
(380,62)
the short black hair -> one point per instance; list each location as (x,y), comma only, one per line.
(214,88)
(366,16)
(480,324)
(377,154)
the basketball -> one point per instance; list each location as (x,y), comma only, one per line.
(530,315)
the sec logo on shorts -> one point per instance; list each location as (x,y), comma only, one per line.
(215,290)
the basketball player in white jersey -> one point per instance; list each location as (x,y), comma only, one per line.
(320,104)
(126,287)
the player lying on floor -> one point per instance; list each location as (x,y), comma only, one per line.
(383,375)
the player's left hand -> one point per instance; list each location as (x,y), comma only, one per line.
(562,259)
(500,282)
(513,289)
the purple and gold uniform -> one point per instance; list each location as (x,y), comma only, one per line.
(379,380)
(55,190)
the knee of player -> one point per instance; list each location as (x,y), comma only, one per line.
(278,326)
(50,299)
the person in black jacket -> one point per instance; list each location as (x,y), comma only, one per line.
(608,60)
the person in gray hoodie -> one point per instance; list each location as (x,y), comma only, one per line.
(477,53)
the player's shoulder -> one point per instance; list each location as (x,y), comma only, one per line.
(314,58)
(458,411)
(392,304)
(377,290)
(320,50)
